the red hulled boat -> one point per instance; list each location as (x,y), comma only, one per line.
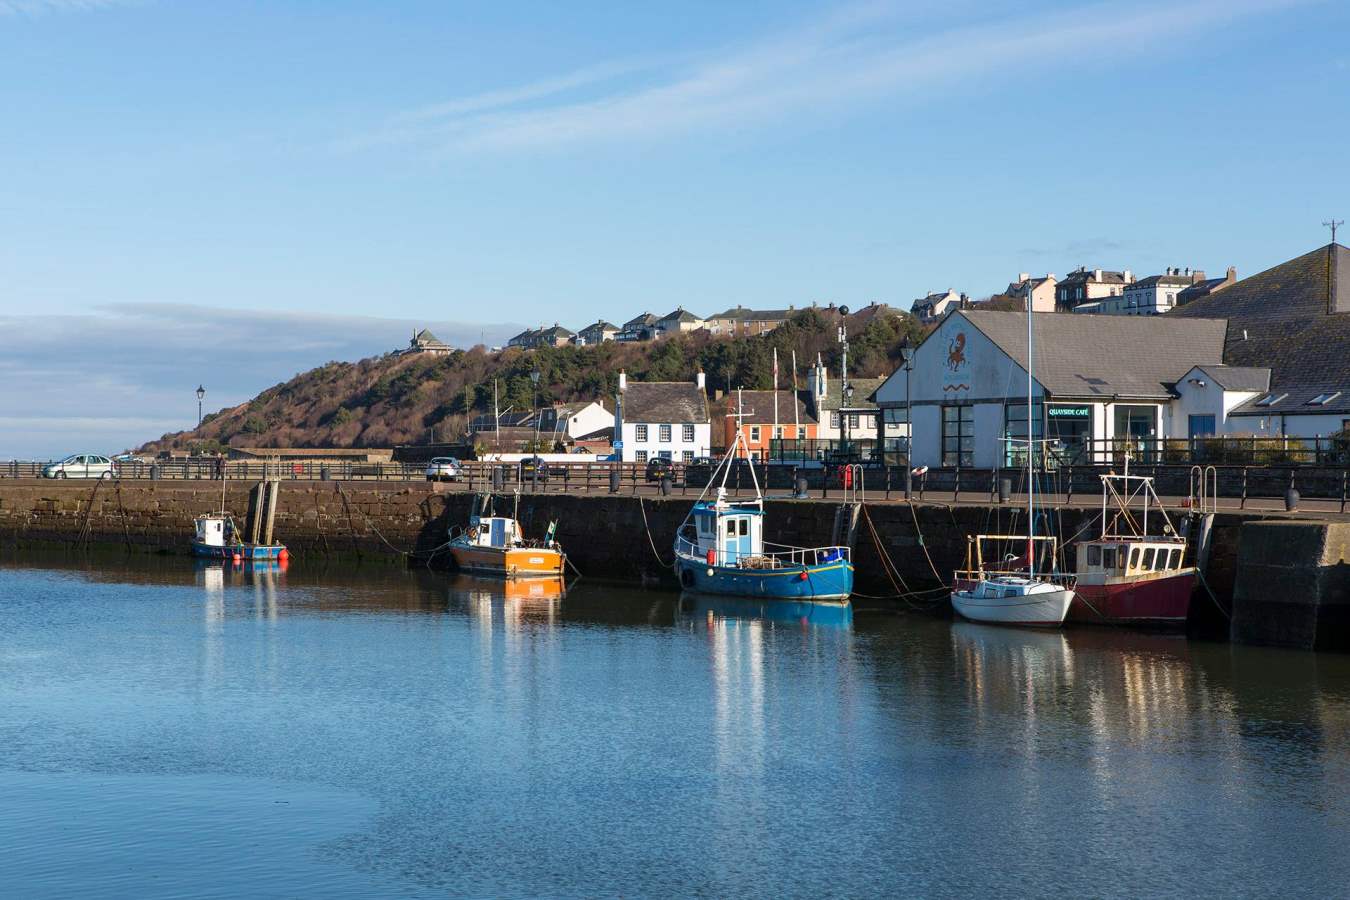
(1128,576)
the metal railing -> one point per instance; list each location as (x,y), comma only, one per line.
(787,557)
(1333,450)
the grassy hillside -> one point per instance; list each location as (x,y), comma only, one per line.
(393,399)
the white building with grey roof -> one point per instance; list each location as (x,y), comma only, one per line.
(666,419)
(1097,380)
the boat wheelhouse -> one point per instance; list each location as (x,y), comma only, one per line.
(1127,575)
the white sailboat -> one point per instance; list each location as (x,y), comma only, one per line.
(1014,595)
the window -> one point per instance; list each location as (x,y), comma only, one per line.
(754,434)
(1094,556)
(745,527)
(958,436)
(853,420)
(1324,398)
(664,454)
(1175,561)
(641,434)
(1148,558)
(1200,426)
(834,419)
(1134,558)
(731,527)
(687,433)
(801,433)
(778,432)
(1271,399)
(687,456)
(639,455)
(1108,558)
(665,433)
(1015,426)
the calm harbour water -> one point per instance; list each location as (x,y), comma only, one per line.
(169,729)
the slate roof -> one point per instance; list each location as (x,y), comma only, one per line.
(863,389)
(1199,289)
(1106,356)
(664,402)
(680,315)
(557,331)
(1154,280)
(758,407)
(601,325)
(426,337)
(1296,321)
(641,321)
(741,313)
(1082,276)
(1238,378)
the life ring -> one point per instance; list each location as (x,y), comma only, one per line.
(686,578)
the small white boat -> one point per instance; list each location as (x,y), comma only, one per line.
(1017,595)
(1014,600)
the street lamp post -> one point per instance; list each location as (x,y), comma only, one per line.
(907,356)
(534,377)
(201,394)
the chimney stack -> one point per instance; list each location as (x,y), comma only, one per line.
(1197,276)
(1232,273)
(1023,277)
(1096,274)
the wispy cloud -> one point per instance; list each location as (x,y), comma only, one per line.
(861,55)
(43,7)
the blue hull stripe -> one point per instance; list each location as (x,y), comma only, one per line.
(247,551)
(828,581)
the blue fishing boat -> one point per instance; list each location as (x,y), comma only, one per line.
(720,549)
(216,537)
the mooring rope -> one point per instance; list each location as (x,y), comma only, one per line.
(650,540)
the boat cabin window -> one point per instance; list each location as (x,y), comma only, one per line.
(705,525)
(1134,558)
(1148,559)
(745,527)
(1094,556)
(1174,562)
(731,527)
(1108,557)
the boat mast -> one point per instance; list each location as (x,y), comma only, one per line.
(1031,475)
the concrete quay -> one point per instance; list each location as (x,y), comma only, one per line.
(627,538)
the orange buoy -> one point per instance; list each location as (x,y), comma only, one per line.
(712,557)
(283,555)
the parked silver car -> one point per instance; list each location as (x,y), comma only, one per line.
(81,465)
(443,468)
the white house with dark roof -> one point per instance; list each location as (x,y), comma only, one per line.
(1207,395)
(639,328)
(597,333)
(678,321)
(425,342)
(934,306)
(662,418)
(1096,377)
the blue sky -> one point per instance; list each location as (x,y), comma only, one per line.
(231,192)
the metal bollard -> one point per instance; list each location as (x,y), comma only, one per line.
(615,480)
(154,472)
(325,474)
(801,484)
(498,477)
(1004,489)
(666,485)
(1290,500)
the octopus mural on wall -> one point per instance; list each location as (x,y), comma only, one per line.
(957,364)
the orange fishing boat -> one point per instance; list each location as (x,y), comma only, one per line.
(495,545)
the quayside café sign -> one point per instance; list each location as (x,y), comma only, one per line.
(1069,412)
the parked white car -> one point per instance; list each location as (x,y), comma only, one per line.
(81,465)
(443,468)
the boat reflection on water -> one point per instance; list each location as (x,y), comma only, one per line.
(509,600)
(826,615)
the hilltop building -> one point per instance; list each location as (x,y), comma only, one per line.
(740,321)
(1040,291)
(638,328)
(1084,285)
(930,308)
(597,333)
(678,321)
(662,418)
(1149,296)
(425,342)
(1203,287)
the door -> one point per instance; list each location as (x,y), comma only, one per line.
(732,548)
(498,534)
(744,546)
(1200,426)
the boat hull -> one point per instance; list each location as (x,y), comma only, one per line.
(1154,602)
(1043,609)
(828,582)
(509,562)
(245,551)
